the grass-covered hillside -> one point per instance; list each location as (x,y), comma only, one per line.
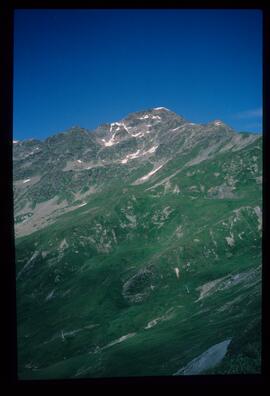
(138,250)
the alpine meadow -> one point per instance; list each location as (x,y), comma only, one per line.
(138,249)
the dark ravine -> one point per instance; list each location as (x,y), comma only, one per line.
(138,248)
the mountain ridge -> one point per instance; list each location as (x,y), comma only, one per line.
(138,250)
(132,115)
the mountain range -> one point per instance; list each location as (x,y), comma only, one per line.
(138,249)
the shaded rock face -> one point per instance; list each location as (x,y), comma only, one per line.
(138,249)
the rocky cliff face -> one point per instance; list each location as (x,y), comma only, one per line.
(138,247)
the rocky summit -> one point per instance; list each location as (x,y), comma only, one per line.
(138,249)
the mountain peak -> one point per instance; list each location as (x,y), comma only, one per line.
(163,111)
(156,113)
(161,108)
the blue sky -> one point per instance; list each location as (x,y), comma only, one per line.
(87,67)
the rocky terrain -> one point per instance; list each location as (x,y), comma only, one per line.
(138,249)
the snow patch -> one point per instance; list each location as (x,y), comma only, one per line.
(26,180)
(110,142)
(230,240)
(139,134)
(176,270)
(176,190)
(83,204)
(146,116)
(167,316)
(152,149)
(79,161)
(152,323)
(121,339)
(131,156)
(63,244)
(208,359)
(146,177)
(123,125)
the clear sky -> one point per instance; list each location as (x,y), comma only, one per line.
(88,67)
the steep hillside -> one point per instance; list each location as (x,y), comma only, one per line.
(138,249)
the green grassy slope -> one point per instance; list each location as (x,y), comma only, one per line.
(98,292)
